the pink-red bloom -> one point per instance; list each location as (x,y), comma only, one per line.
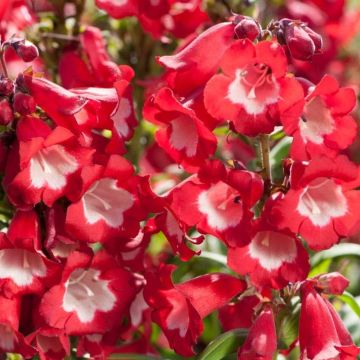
(325,126)
(250,91)
(93,294)
(320,206)
(179,308)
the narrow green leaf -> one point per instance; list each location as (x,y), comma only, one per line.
(349,299)
(213,256)
(223,345)
(339,250)
(321,268)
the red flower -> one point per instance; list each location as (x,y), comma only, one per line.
(179,309)
(325,126)
(273,258)
(192,66)
(249,93)
(322,334)
(320,206)
(48,165)
(261,343)
(217,202)
(239,315)
(186,139)
(24,267)
(109,206)
(12,340)
(52,344)
(93,295)
(176,233)
(159,17)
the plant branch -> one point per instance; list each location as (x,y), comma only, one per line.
(265,157)
(3,64)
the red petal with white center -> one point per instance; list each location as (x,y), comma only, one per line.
(109,206)
(186,139)
(49,167)
(11,340)
(272,258)
(93,295)
(216,209)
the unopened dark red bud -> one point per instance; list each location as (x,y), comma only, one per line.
(301,41)
(316,38)
(26,50)
(6,87)
(24,104)
(247,28)
(6,112)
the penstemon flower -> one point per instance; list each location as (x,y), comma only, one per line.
(179,179)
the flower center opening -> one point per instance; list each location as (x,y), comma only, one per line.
(85,293)
(222,206)
(272,249)
(106,201)
(321,201)
(21,266)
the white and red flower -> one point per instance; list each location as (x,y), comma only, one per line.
(109,205)
(185,138)
(93,294)
(24,269)
(250,92)
(179,309)
(11,339)
(51,344)
(48,165)
(321,204)
(217,201)
(325,126)
(273,258)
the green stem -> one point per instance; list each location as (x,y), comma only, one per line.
(265,157)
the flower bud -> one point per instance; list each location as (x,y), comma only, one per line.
(24,104)
(301,41)
(332,283)
(6,113)
(26,50)
(6,86)
(247,28)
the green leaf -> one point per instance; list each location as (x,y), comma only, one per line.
(213,256)
(349,299)
(321,268)
(339,250)
(224,344)
(287,326)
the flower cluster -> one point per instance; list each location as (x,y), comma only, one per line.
(106,198)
